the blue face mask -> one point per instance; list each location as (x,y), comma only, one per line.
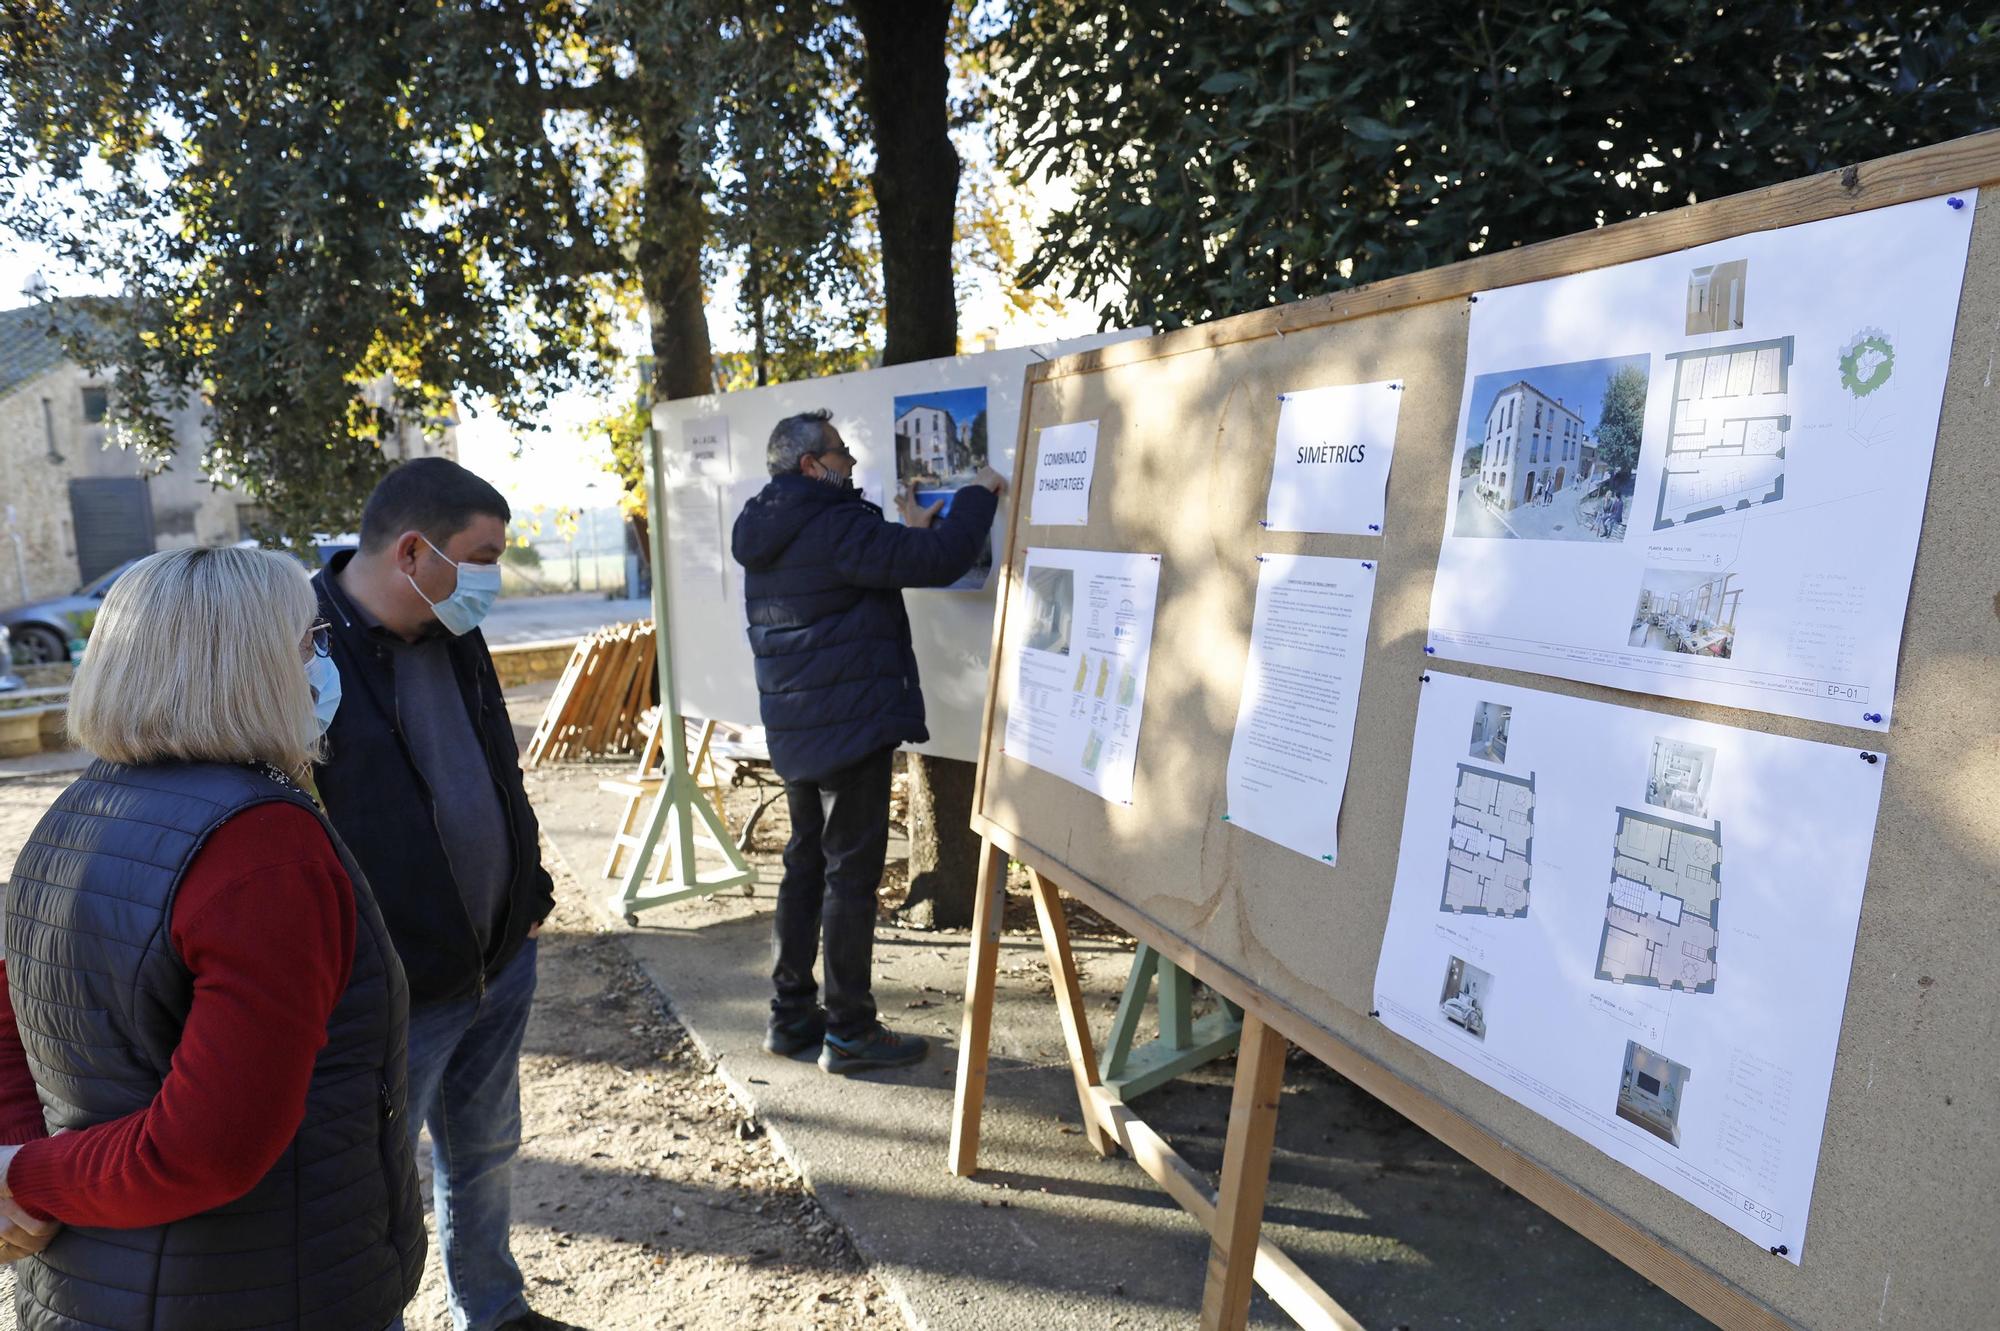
(324,677)
(477,588)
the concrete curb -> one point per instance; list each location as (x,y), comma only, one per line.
(741,1091)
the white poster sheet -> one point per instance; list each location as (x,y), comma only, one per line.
(705,448)
(694,526)
(1330,470)
(1065,457)
(1702,475)
(1295,716)
(1638,926)
(1076,664)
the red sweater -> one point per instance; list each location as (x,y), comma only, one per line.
(265,920)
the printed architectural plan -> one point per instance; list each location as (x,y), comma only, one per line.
(1605,1014)
(1659,923)
(1732,415)
(1674,475)
(1075,666)
(1492,843)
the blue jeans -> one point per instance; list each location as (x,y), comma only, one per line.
(465,1086)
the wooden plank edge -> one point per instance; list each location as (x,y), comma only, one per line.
(1302,1298)
(1003,587)
(1964,163)
(1700,1287)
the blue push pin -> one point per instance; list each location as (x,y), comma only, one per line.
(1374,526)
(1869,758)
(1430,651)
(1873,718)
(1366,564)
(1955,203)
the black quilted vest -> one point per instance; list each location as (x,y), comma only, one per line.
(332,1237)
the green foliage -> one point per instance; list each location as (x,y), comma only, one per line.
(1621,420)
(1229,156)
(299,205)
(791,205)
(328,221)
(625,425)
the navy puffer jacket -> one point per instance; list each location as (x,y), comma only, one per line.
(823,579)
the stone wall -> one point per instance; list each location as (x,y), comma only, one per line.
(38,547)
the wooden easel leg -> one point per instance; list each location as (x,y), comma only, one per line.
(1069,1005)
(1246,1171)
(975,1031)
(623,836)
(1131,1007)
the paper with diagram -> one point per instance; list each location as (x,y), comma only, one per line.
(1073,668)
(1295,715)
(1703,475)
(1330,471)
(1065,457)
(1638,926)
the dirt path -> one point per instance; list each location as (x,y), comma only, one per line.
(643,1199)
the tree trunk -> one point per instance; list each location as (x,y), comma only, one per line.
(669,250)
(904,85)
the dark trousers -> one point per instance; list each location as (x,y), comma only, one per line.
(833,866)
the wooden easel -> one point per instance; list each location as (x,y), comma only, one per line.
(646,782)
(1184,1042)
(681,810)
(1233,1215)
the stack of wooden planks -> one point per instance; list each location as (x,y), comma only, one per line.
(604,690)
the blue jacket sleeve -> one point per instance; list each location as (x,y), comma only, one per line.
(875,552)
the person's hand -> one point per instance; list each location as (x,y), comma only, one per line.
(21,1235)
(992,480)
(535,929)
(915,514)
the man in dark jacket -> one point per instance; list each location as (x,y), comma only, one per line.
(837,684)
(423,780)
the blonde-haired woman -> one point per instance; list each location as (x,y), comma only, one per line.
(202,1028)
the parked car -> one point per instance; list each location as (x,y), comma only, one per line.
(8,679)
(42,629)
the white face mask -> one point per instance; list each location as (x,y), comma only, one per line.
(478,586)
(324,677)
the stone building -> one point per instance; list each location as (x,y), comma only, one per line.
(1529,438)
(924,436)
(74,504)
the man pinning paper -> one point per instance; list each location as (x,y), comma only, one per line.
(837,687)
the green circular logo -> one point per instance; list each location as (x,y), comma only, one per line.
(1867,361)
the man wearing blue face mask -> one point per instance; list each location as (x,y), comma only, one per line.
(423,780)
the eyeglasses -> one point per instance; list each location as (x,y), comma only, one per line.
(317,642)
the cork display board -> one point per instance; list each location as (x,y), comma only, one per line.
(1898,1225)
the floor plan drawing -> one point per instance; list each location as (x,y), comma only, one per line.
(1659,921)
(1492,844)
(1731,419)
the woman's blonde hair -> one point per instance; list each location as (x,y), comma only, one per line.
(195,658)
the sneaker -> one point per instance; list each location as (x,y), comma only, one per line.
(880,1047)
(534,1321)
(789,1038)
